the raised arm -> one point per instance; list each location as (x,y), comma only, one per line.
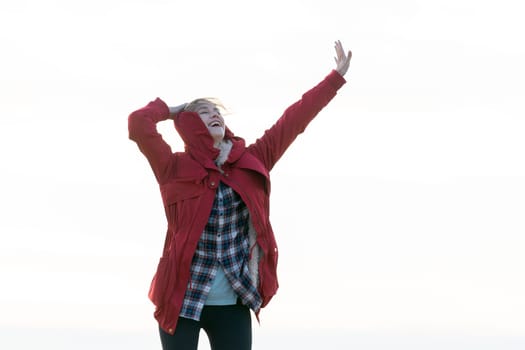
(142,126)
(272,145)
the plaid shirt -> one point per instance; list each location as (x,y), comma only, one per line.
(224,241)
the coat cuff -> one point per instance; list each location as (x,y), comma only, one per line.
(335,79)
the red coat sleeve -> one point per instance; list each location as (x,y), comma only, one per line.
(272,145)
(142,127)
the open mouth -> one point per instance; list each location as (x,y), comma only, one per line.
(214,124)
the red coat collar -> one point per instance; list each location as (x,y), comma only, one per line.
(199,143)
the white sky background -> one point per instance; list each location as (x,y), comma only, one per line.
(399,210)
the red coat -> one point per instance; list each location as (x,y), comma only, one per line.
(188,181)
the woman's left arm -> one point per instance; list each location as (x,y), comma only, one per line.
(271,146)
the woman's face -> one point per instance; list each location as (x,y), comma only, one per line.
(211,116)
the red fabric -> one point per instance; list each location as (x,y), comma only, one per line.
(188,181)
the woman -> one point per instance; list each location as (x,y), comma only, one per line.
(220,255)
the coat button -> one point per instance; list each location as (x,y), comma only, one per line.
(212,183)
(170,330)
(226,174)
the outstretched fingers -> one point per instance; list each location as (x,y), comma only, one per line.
(342,59)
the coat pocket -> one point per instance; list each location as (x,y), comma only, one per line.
(182,188)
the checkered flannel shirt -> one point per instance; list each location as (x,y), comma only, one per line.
(224,242)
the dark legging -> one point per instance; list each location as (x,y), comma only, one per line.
(228,327)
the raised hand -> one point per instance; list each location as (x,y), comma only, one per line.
(342,59)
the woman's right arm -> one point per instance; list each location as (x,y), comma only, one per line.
(142,127)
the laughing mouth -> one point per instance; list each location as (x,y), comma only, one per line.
(214,124)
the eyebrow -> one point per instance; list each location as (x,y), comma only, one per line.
(206,108)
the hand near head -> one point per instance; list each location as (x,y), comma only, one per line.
(174,110)
(342,59)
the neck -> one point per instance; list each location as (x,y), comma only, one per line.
(217,140)
(225,147)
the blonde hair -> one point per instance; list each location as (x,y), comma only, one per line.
(193,105)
